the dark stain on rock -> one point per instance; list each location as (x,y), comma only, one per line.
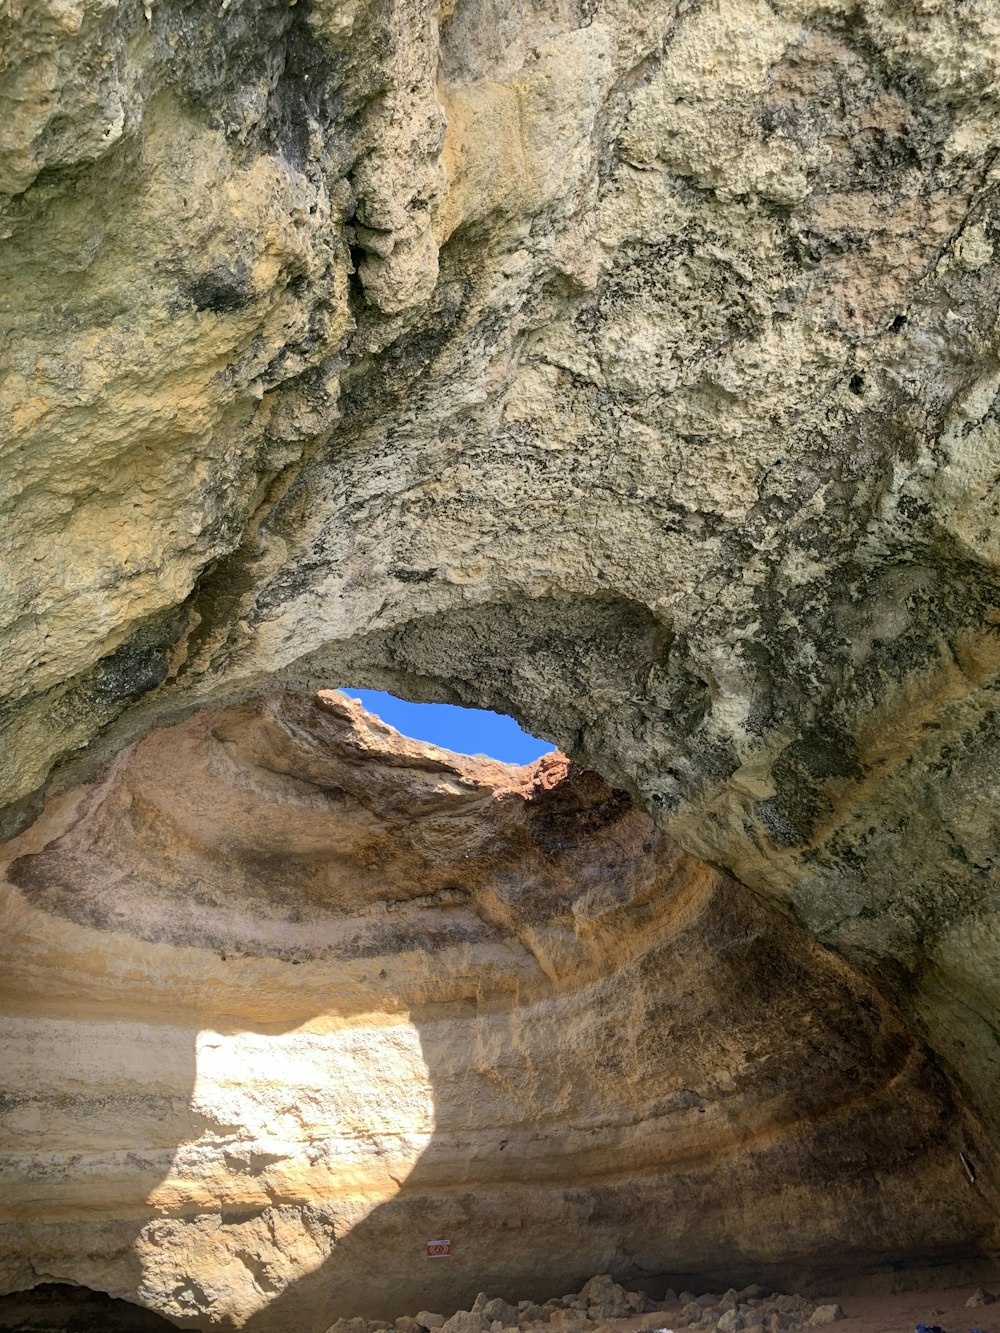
(128,674)
(222,288)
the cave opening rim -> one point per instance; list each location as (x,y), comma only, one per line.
(439,723)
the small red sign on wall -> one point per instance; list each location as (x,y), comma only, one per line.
(439,1249)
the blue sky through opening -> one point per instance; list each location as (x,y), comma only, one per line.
(464,730)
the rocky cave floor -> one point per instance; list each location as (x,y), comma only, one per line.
(605,1307)
(602,1306)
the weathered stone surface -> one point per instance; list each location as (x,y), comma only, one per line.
(632,368)
(497,1309)
(465,1321)
(825,1314)
(979,1298)
(286,995)
(408,1324)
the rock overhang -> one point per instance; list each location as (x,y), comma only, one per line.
(660,414)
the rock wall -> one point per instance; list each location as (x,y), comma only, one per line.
(631,368)
(287,995)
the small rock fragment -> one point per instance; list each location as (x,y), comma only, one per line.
(980,1297)
(791,1305)
(465,1321)
(499,1309)
(603,1298)
(426,1319)
(825,1314)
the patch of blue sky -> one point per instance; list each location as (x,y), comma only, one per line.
(464,730)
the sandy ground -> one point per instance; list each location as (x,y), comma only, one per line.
(902,1312)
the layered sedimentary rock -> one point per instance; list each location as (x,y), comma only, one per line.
(629,367)
(286,996)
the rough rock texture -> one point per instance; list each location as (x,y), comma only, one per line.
(287,995)
(629,367)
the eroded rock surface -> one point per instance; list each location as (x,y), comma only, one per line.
(629,367)
(287,995)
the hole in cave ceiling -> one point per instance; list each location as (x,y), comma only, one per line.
(472,731)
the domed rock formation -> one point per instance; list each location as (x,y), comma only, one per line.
(288,995)
(630,368)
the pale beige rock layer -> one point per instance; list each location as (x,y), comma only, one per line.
(286,995)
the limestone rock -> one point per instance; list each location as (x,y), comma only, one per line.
(630,367)
(627,366)
(825,1314)
(497,1309)
(605,1299)
(465,1321)
(979,1298)
(791,1304)
(652,1319)
(426,1319)
(280,983)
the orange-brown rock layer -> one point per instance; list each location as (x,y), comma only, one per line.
(288,995)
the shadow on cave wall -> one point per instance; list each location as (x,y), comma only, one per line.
(837,1148)
(60,1307)
(727,1102)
